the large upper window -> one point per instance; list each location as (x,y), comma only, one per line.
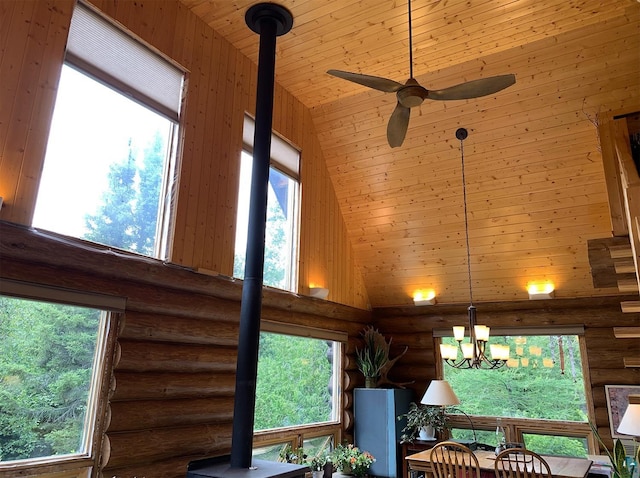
(109,169)
(542,381)
(50,370)
(281,235)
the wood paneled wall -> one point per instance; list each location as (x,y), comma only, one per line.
(174,361)
(414,327)
(220,88)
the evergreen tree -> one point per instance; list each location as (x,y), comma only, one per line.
(128,215)
(112,224)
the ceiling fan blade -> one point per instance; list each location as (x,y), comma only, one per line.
(398,124)
(375,82)
(474,88)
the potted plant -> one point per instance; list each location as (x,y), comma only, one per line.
(423,421)
(350,460)
(288,454)
(622,465)
(372,358)
(317,466)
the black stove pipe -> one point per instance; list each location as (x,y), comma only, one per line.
(269,21)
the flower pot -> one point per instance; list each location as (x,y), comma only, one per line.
(427,433)
(370,382)
(317,473)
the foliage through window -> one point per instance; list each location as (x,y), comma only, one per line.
(297,381)
(110,161)
(47,356)
(281,235)
(531,391)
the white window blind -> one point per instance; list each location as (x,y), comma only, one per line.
(285,156)
(110,55)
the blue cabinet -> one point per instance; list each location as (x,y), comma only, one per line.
(377,428)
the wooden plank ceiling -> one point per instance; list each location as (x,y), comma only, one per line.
(535,181)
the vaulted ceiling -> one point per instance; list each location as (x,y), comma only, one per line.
(535,181)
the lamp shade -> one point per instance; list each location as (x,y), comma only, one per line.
(439,393)
(630,423)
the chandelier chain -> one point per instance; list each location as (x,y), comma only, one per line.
(466,221)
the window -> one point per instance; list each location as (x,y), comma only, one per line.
(109,168)
(51,357)
(281,235)
(542,382)
(296,383)
(298,389)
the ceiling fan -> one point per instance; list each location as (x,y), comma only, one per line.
(411,93)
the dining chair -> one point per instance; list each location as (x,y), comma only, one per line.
(521,463)
(453,460)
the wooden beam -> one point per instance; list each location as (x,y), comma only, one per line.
(626,332)
(632,362)
(628,285)
(625,266)
(630,306)
(620,252)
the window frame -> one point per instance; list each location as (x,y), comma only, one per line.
(76,465)
(286,162)
(84,56)
(516,428)
(295,435)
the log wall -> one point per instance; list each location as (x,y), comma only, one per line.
(604,353)
(221,86)
(174,360)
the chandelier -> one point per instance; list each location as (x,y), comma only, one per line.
(473,351)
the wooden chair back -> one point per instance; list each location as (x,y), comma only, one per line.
(453,460)
(521,463)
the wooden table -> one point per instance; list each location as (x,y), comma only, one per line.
(561,466)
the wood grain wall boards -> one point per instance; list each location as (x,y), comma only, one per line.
(539,118)
(221,87)
(32,50)
(173,374)
(444,34)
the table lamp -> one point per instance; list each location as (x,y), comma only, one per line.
(439,393)
(630,423)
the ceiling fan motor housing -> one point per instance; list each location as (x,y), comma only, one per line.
(411,94)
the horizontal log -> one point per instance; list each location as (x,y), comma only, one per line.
(102,264)
(141,386)
(137,356)
(171,468)
(606,361)
(167,328)
(148,446)
(626,376)
(411,340)
(147,414)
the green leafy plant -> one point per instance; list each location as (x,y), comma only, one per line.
(373,357)
(293,455)
(317,463)
(618,456)
(350,459)
(420,416)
